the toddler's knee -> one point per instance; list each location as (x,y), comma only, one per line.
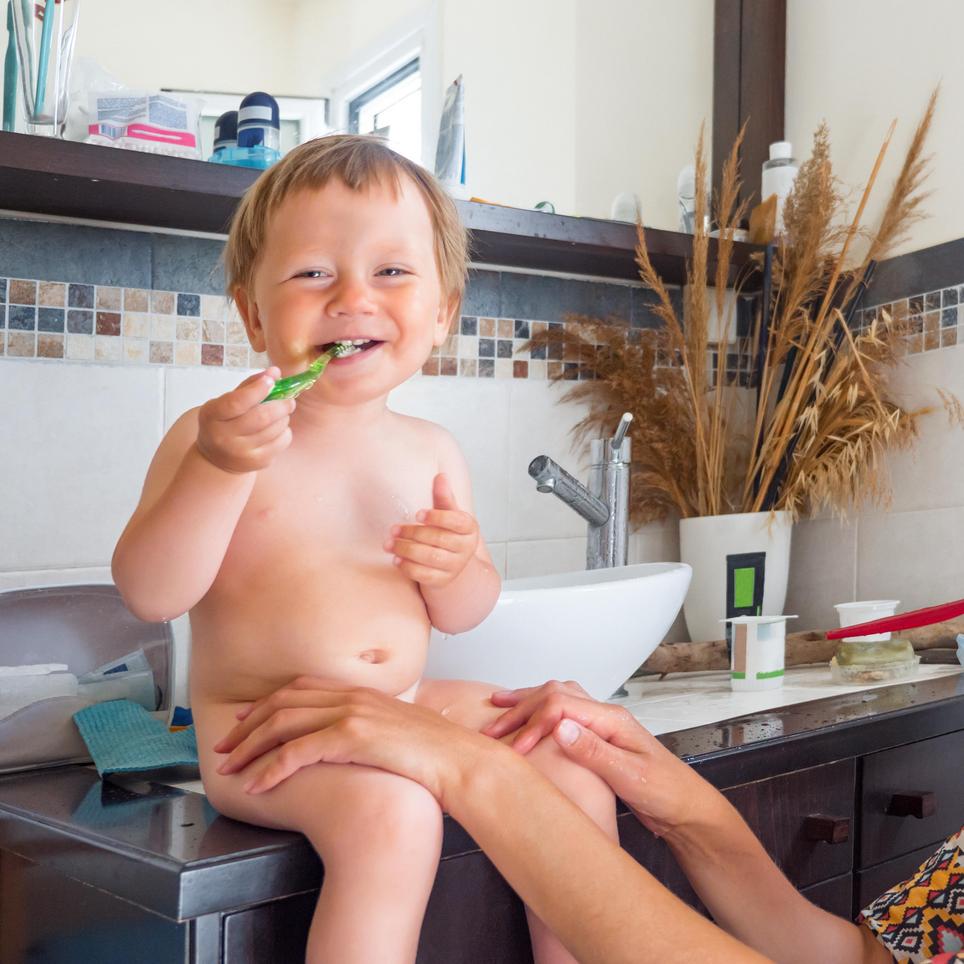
(394,816)
(579,784)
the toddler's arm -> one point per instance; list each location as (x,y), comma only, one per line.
(196,488)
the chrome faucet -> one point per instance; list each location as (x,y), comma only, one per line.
(605,503)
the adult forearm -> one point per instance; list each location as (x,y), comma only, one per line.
(466,601)
(601,904)
(168,557)
(748,895)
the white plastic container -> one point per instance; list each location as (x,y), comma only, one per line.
(875,658)
(757,652)
(137,687)
(779,173)
(852,613)
(22,685)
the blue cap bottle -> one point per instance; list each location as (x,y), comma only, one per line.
(225,135)
(258,131)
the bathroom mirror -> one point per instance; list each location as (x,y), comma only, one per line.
(566,101)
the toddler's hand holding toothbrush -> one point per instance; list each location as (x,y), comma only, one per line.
(237,433)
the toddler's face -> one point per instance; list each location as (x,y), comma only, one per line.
(342,265)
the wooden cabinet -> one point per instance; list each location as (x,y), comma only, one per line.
(784,812)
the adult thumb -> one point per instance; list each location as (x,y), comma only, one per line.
(587,749)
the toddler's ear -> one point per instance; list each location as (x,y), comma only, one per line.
(248,309)
(447,313)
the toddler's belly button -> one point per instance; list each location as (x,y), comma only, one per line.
(373,655)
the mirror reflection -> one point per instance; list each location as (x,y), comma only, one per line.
(573,103)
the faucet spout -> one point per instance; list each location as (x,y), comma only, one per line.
(604,504)
(551,477)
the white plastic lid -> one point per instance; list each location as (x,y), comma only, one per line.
(780,149)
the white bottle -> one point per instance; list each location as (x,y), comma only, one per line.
(779,174)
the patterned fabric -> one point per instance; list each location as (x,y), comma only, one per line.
(922,918)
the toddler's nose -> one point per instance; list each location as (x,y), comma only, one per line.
(350,297)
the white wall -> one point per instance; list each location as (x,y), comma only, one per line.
(216,45)
(861,63)
(644,84)
(517,61)
(334,36)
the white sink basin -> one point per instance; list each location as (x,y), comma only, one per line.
(592,627)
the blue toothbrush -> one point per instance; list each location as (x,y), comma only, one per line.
(44,57)
(10,75)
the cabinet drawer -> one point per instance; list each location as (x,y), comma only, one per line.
(804,819)
(873,882)
(912,796)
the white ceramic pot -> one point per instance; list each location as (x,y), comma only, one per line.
(746,555)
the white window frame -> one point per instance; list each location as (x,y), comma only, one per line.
(417,37)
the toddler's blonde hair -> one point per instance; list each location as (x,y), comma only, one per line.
(359,161)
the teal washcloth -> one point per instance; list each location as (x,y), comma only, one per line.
(123,737)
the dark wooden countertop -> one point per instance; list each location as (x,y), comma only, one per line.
(169,851)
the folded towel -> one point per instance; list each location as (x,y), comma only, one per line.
(123,737)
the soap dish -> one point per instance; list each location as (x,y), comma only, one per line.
(857,673)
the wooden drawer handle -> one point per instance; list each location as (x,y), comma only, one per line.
(831,830)
(913,803)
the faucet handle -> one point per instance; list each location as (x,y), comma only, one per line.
(615,449)
(621,429)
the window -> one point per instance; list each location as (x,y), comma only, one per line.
(392,108)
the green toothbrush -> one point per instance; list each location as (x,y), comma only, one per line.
(294,385)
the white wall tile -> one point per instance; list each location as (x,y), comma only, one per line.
(476,412)
(656,542)
(79,438)
(498,552)
(186,388)
(930,474)
(823,567)
(539,424)
(916,557)
(544,557)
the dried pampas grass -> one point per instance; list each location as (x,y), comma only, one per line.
(822,418)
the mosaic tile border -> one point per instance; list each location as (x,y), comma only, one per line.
(65,321)
(62,321)
(112,325)
(936,318)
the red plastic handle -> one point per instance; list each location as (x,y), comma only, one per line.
(911,620)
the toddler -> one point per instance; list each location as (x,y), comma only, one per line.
(324,537)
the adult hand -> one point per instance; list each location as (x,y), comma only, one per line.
(237,433)
(656,785)
(318,721)
(434,552)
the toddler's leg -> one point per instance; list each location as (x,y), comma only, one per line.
(378,835)
(469,705)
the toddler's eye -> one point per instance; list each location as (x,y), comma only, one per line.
(311,274)
(392,272)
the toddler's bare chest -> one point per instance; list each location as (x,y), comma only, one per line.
(328,516)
